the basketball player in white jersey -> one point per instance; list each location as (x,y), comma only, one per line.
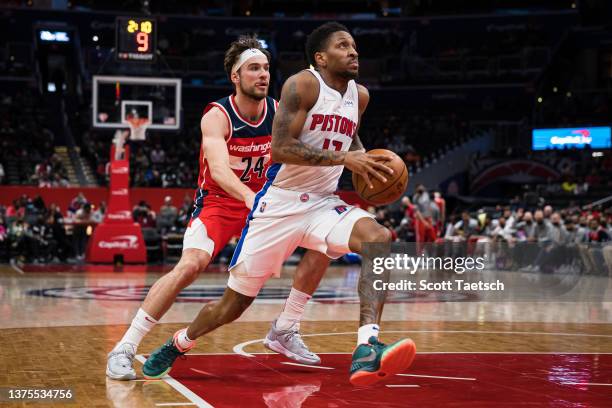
(313,137)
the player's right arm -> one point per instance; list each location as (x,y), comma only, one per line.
(298,96)
(214,127)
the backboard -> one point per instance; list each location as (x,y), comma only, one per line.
(115,99)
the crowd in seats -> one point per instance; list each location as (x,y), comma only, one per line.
(163,160)
(526,238)
(26,146)
(50,173)
(34,231)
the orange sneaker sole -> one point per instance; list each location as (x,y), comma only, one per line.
(393,361)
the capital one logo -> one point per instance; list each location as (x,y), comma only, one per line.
(120,215)
(120,170)
(120,192)
(120,242)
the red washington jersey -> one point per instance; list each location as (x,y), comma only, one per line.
(248,145)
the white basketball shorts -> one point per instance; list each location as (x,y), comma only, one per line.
(282,220)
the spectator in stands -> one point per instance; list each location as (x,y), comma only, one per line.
(18,238)
(167,216)
(141,159)
(152,177)
(569,186)
(16,209)
(82,219)
(582,229)
(2,174)
(98,214)
(572,231)
(42,172)
(441,203)
(466,227)
(77,202)
(598,232)
(55,223)
(526,228)
(502,231)
(40,245)
(143,215)
(169,179)
(59,181)
(547,212)
(426,216)
(509,217)
(404,232)
(541,232)
(184,214)
(558,233)
(449,232)
(485,224)
(158,156)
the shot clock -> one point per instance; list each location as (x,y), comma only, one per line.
(136,39)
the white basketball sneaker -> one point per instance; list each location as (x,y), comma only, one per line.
(120,363)
(289,343)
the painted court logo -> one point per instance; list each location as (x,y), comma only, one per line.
(269,294)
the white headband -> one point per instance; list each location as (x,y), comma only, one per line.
(246,54)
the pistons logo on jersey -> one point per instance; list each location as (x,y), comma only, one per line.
(333,123)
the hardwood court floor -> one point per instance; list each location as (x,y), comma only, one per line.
(56,329)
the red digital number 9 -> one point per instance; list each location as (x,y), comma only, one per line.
(143,41)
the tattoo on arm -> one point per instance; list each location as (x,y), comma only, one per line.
(371,301)
(356,145)
(290,149)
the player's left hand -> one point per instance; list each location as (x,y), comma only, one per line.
(368,165)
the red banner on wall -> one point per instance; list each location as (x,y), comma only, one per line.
(118,234)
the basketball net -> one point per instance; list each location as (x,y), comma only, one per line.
(138,127)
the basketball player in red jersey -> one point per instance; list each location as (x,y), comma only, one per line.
(236,140)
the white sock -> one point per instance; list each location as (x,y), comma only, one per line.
(183,342)
(141,325)
(293,310)
(365,332)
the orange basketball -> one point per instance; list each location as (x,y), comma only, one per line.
(384,193)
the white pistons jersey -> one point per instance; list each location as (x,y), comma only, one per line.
(331,124)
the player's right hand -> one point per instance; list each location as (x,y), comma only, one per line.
(368,165)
